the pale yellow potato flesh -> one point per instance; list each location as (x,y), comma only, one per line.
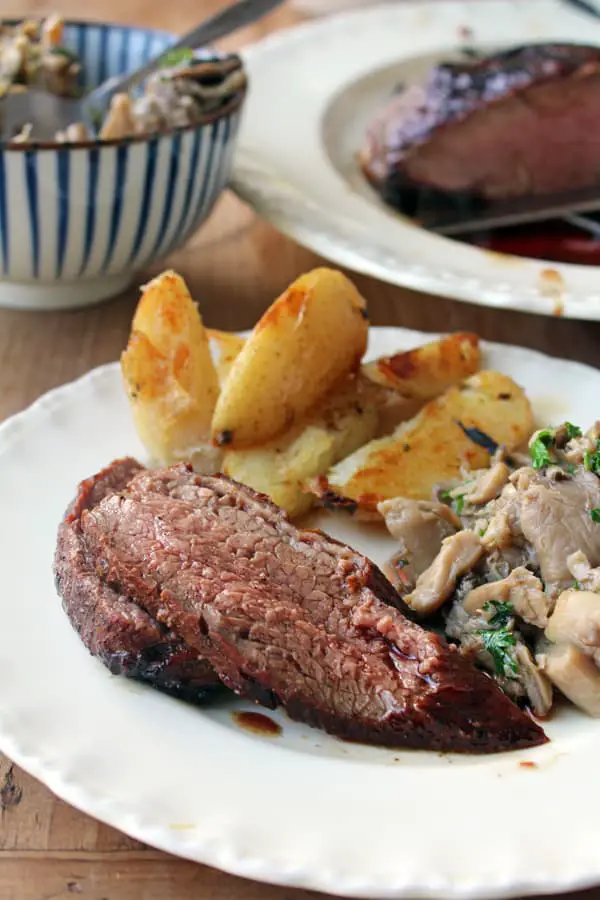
(168,372)
(308,340)
(431,447)
(342,422)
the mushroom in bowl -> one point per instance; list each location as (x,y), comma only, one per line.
(507,563)
(79,216)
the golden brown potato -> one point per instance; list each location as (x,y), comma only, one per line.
(429,370)
(168,372)
(310,338)
(345,420)
(432,447)
(224,346)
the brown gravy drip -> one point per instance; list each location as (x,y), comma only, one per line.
(257,723)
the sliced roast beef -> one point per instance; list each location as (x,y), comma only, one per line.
(292,617)
(523,121)
(110,624)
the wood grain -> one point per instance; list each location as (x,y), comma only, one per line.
(235,266)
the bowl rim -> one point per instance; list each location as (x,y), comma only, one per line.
(224,112)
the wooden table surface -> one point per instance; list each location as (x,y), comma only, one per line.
(235,266)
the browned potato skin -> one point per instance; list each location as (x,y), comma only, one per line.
(309,339)
(168,372)
(431,447)
(429,370)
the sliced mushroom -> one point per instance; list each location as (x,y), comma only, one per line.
(580,568)
(521,589)
(574,674)
(458,554)
(576,620)
(119,121)
(536,683)
(420,527)
(489,484)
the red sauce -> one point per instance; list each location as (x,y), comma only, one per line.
(257,723)
(555,241)
(527,764)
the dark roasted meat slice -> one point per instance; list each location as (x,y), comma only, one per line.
(111,625)
(523,121)
(292,617)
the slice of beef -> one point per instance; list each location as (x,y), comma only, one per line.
(523,121)
(110,624)
(292,617)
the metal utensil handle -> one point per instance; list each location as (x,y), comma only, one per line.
(239,14)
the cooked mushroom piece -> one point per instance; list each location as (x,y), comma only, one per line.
(581,570)
(458,554)
(420,527)
(521,589)
(488,484)
(576,620)
(537,685)
(574,674)
(119,121)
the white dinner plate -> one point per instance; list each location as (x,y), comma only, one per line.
(315,87)
(300,809)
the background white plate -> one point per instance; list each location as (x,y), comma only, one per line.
(313,90)
(302,809)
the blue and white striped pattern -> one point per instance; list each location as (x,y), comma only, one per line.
(85,213)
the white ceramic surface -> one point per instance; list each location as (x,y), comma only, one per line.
(297,167)
(302,809)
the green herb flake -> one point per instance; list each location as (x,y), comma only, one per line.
(502,612)
(539,449)
(459,504)
(591,459)
(482,531)
(500,644)
(177,57)
(595,514)
(573,431)
(571,469)
(576,586)
(64,51)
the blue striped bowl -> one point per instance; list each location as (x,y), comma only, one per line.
(78,221)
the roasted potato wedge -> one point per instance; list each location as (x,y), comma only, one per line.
(429,370)
(309,339)
(345,420)
(168,372)
(432,447)
(224,346)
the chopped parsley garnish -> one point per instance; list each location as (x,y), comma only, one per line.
(573,431)
(539,449)
(457,501)
(64,51)
(595,514)
(591,459)
(500,643)
(576,586)
(482,531)
(502,612)
(177,57)
(571,469)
